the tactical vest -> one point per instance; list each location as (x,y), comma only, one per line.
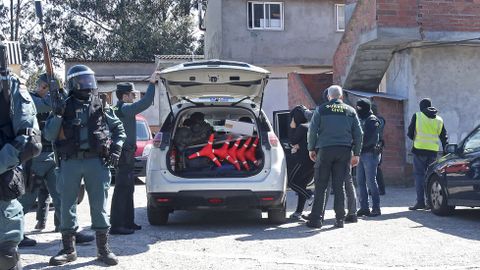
(42,119)
(6,129)
(427,131)
(98,132)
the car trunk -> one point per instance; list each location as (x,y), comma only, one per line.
(226,127)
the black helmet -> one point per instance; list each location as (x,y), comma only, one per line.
(81,81)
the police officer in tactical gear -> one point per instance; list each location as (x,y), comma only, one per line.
(425,130)
(88,138)
(122,214)
(19,142)
(333,131)
(43,167)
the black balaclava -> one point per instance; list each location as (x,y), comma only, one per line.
(84,95)
(298,115)
(364,108)
(425,103)
(197,117)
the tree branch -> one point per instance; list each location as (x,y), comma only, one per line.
(92,20)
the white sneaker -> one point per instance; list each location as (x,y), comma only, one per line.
(295,215)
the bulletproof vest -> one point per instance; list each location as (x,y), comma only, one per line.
(6,129)
(42,119)
(98,132)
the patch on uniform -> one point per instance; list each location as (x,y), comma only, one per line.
(377,124)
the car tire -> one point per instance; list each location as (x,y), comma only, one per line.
(278,215)
(438,198)
(157,216)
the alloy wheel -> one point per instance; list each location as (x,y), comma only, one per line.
(436,195)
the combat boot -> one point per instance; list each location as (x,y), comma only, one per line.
(9,256)
(104,253)
(68,253)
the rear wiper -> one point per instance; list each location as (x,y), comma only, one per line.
(193,102)
(235,103)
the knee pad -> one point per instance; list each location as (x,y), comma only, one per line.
(9,256)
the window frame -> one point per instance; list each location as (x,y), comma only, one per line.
(337,28)
(264,28)
(474,132)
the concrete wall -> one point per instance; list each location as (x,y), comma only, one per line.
(278,93)
(309,36)
(448,75)
(214,32)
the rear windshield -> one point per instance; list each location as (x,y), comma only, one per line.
(142,131)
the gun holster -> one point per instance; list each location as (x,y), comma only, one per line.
(12,184)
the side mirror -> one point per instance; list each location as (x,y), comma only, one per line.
(451,148)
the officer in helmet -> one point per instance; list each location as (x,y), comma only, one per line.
(42,168)
(19,142)
(88,138)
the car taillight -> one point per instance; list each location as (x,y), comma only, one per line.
(146,150)
(157,141)
(272,138)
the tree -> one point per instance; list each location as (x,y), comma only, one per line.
(102,29)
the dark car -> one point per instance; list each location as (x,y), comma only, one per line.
(454,179)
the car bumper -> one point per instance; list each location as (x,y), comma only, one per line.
(218,199)
(140,164)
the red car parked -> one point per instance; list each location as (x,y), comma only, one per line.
(144,145)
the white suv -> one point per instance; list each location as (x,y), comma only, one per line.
(225,93)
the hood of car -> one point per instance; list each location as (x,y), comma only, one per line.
(215,79)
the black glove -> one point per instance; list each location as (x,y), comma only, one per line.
(114,156)
(59,107)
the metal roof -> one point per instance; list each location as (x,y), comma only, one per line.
(108,60)
(374,94)
(179,56)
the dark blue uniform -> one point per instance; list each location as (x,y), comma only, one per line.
(122,212)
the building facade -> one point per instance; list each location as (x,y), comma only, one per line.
(413,49)
(285,37)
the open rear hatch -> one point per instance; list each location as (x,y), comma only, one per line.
(225,143)
(215,79)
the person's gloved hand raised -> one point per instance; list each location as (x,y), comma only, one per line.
(114,156)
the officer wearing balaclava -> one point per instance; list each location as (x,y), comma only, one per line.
(369,158)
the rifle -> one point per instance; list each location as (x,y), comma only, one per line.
(54,87)
(56,99)
(4,73)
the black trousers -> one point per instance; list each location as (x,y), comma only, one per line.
(122,213)
(331,161)
(298,178)
(380,182)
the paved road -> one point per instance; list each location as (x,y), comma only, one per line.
(399,239)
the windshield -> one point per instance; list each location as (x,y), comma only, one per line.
(143,133)
(472,143)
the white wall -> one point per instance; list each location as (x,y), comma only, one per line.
(448,75)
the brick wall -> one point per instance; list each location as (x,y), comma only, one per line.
(363,20)
(445,15)
(438,15)
(316,85)
(397,13)
(394,164)
(297,92)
